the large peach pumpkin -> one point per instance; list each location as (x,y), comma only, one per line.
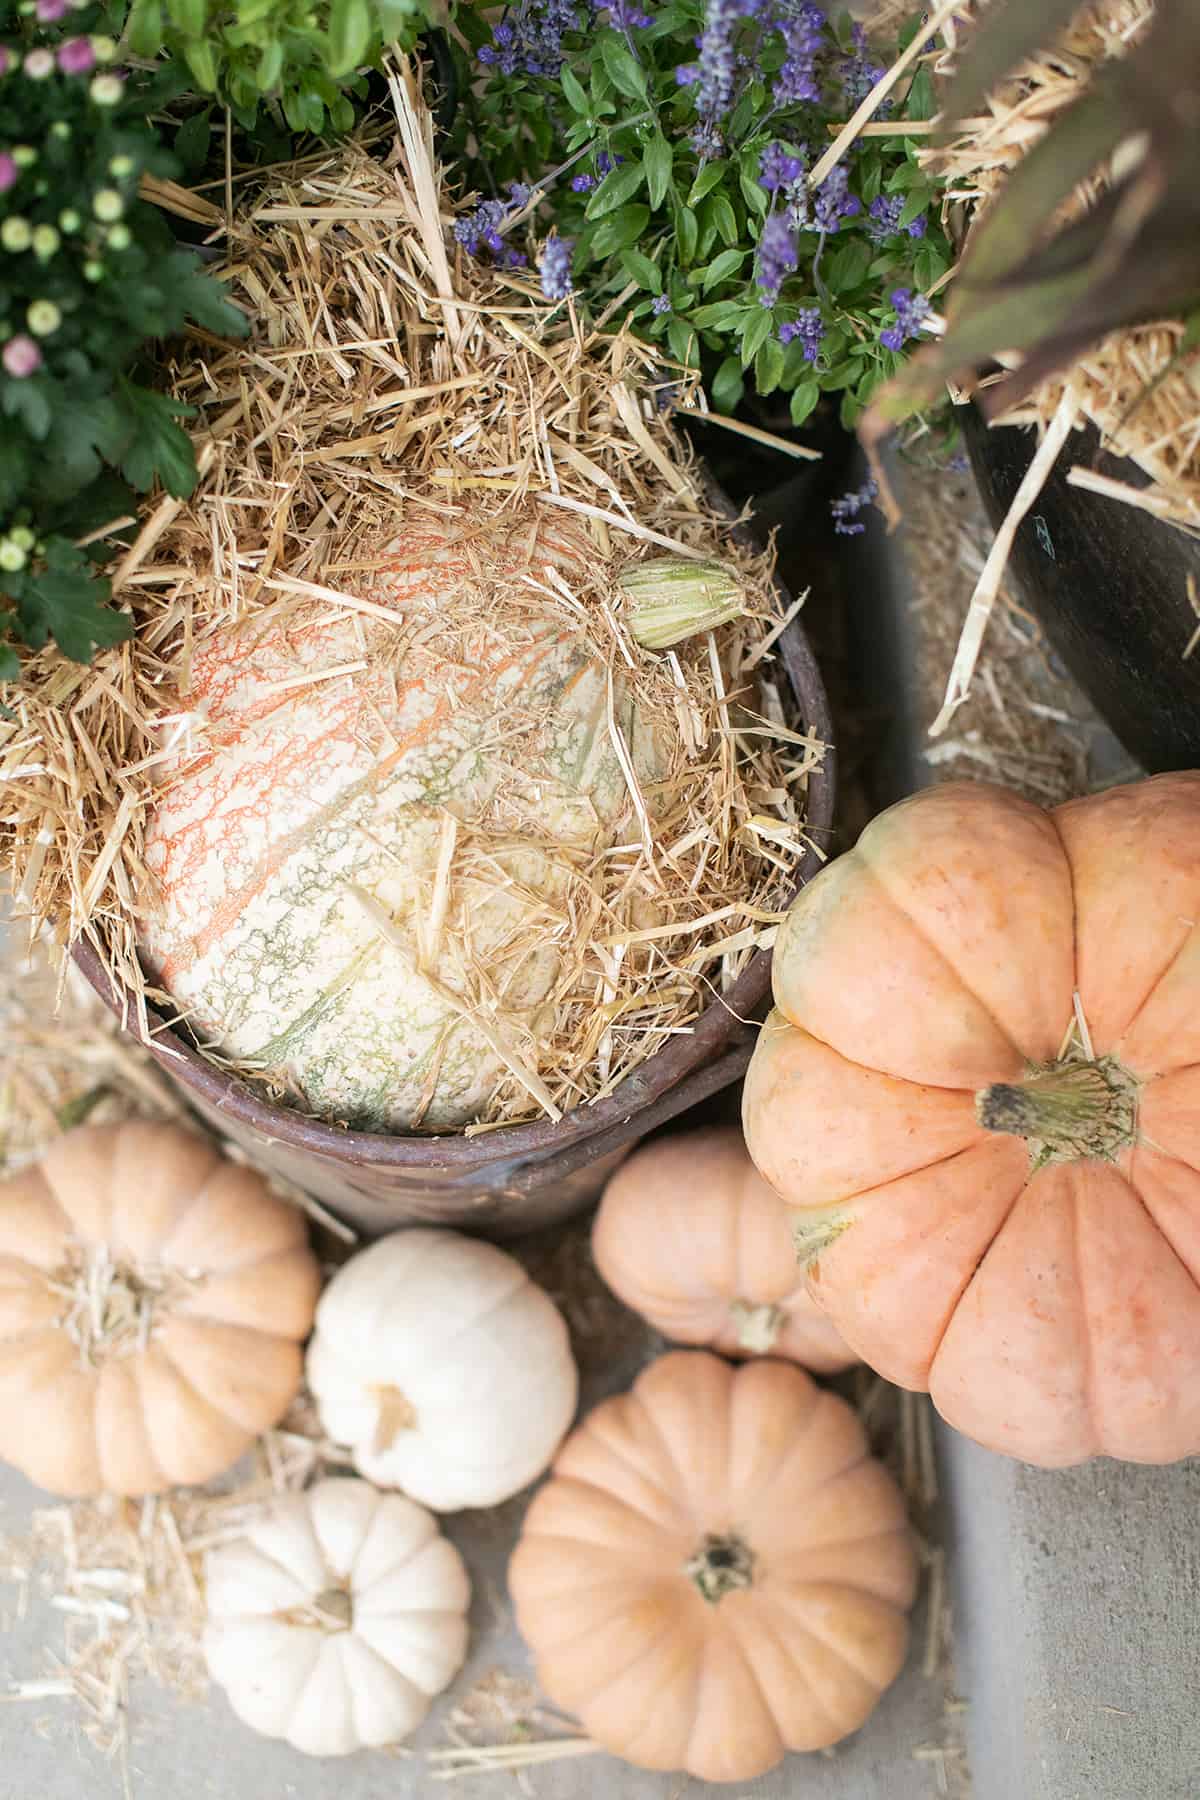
(980,1092)
(718,1571)
(690,1236)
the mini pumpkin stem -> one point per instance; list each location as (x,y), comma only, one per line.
(1067,1111)
(334,1608)
(757,1326)
(722,1563)
(396,1414)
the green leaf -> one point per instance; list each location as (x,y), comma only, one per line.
(848,265)
(755,333)
(727,386)
(724,217)
(66,601)
(754,196)
(722,267)
(202,61)
(682,340)
(620,229)
(576,98)
(349,35)
(191,16)
(804,399)
(270,67)
(10,668)
(192,139)
(624,70)
(646,273)
(687,234)
(29,401)
(719,315)
(711,175)
(659,163)
(921,103)
(145,28)
(620,185)
(157,448)
(768,366)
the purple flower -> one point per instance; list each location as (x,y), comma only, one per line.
(529,40)
(556,267)
(481,229)
(519,193)
(583,184)
(910,310)
(834,201)
(778,169)
(661,305)
(806,328)
(49,12)
(605,163)
(803,34)
(625,15)
(778,254)
(8,172)
(21,356)
(884,220)
(846,509)
(858,74)
(687,74)
(716,73)
(76,56)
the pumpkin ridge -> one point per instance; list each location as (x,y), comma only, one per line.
(785,1597)
(1136,1188)
(763,1626)
(655,1643)
(199,1398)
(961,1295)
(673,1501)
(1134,1020)
(1086,1348)
(931,943)
(900,1532)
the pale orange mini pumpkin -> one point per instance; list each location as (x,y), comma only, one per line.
(153,1301)
(718,1571)
(981,1094)
(692,1238)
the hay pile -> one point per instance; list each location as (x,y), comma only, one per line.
(1144,403)
(390,379)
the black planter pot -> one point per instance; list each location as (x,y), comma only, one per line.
(1109,584)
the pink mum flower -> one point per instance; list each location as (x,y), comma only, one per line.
(21,356)
(76,56)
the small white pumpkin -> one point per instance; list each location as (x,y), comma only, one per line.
(446,1370)
(337,1618)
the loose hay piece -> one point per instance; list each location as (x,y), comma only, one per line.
(386,382)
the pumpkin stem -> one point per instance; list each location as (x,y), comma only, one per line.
(1067,1111)
(396,1414)
(334,1608)
(723,1562)
(757,1326)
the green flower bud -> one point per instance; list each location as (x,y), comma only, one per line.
(118,237)
(12,557)
(670,599)
(24,155)
(103,48)
(121,167)
(43,318)
(106,90)
(93,271)
(107,205)
(22,537)
(61,130)
(69,219)
(16,233)
(45,242)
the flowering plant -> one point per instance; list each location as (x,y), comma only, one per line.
(674,144)
(88,273)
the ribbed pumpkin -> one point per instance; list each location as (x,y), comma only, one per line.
(350,868)
(980,1094)
(153,1300)
(717,1570)
(690,1236)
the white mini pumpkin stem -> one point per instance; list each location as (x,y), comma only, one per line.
(396,1414)
(723,1563)
(757,1326)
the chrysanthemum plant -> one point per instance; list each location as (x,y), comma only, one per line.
(672,147)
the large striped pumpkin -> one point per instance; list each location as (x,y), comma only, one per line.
(355,873)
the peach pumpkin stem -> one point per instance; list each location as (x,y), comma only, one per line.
(723,1563)
(757,1326)
(1068,1111)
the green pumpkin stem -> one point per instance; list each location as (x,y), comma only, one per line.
(721,1564)
(1068,1111)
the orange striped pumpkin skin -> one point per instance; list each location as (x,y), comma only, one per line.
(319,804)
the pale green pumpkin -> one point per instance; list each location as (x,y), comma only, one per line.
(362,879)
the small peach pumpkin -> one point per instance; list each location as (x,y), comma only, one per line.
(718,1571)
(692,1238)
(153,1301)
(980,1092)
